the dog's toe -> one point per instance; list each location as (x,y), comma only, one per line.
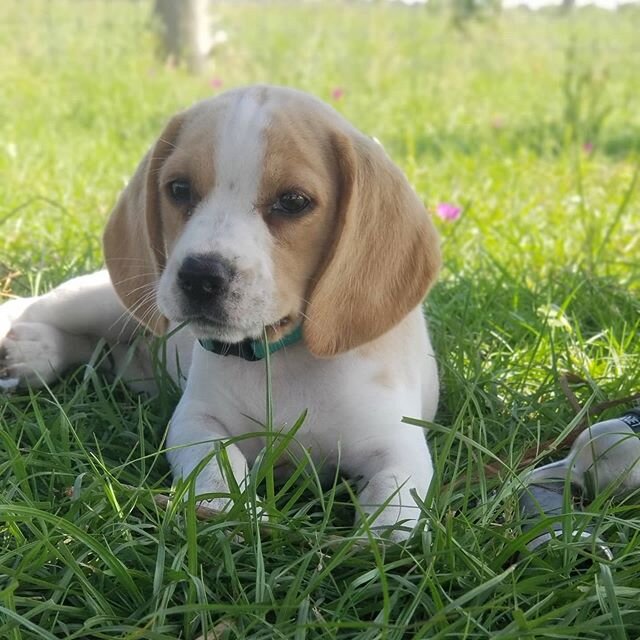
(29,354)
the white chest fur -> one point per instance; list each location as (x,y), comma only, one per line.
(354,405)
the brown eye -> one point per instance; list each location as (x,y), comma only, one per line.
(180,191)
(291,203)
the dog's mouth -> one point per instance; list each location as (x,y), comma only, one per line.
(278,330)
(204,327)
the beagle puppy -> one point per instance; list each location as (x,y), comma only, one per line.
(261,220)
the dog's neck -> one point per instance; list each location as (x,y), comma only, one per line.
(249,349)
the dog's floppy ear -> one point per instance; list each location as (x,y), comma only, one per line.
(385,253)
(134,247)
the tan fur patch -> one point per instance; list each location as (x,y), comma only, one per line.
(145,224)
(384,378)
(298,159)
(133,240)
(386,254)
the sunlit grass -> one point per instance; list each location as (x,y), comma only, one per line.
(541,278)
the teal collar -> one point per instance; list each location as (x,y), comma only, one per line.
(251,350)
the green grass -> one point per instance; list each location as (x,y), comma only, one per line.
(541,277)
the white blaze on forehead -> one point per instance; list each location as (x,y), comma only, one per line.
(239,149)
(225,221)
(229,223)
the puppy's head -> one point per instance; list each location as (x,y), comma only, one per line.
(263,208)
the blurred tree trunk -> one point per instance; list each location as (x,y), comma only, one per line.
(185,34)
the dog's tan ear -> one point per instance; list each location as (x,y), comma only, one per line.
(134,247)
(384,258)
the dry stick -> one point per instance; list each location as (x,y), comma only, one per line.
(217,632)
(202,512)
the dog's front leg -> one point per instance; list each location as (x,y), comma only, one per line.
(85,305)
(198,442)
(41,337)
(391,476)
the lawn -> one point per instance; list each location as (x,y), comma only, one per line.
(528,122)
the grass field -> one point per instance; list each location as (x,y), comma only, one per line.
(530,123)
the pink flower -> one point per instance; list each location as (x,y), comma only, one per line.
(587,147)
(498,122)
(216,82)
(337,93)
(448,211)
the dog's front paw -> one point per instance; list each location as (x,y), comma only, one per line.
(31,353)
(388,506)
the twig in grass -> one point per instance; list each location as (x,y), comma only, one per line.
(202,511)
(5,285)
(224,625)
(566,389)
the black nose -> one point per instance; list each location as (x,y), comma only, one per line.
(204,277)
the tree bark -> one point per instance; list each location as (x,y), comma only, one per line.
(184,26)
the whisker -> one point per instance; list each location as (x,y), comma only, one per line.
(302,313)
(137,275)
(142,287)
(169,142)
(130,313)
(149,314)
